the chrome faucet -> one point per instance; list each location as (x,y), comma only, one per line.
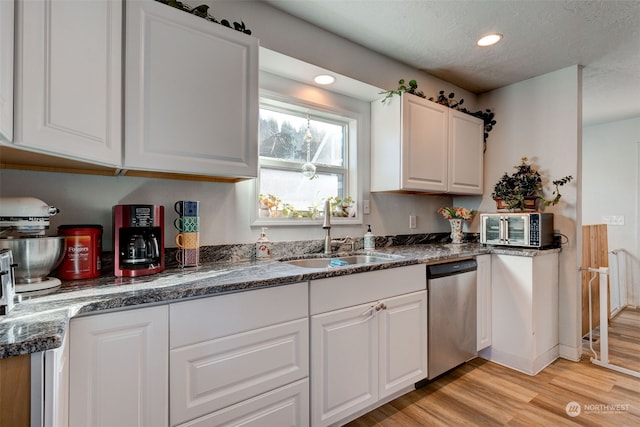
(327,226)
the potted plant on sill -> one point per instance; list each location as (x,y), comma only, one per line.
(342,207)
(523,190)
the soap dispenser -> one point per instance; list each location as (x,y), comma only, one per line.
(263,246)
(369,240)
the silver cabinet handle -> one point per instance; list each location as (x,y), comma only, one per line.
(369,311)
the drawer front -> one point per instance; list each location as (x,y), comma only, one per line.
(334,293)
(209,376)
(209,318)
(287,406)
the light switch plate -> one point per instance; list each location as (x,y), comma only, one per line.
(412,221)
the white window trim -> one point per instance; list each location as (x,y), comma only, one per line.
(276,89)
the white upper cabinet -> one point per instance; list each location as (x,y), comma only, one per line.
(6,70)
(68,79)
(466,147)
(191,94)
(419,145)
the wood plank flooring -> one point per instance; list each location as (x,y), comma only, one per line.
(482,393)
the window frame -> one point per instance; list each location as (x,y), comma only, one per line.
(303,97)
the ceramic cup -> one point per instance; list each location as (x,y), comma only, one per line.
(188,240)
(187,257)
(187,207)
(187,224)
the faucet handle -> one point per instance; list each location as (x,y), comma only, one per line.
(345,241)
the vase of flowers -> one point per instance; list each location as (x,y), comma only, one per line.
(456,215)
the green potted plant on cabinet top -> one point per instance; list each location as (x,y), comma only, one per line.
(523,190)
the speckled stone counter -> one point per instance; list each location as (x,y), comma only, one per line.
(39,323)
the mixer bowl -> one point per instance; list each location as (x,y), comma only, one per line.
(35,257)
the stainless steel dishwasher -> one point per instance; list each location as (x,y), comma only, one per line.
(451,289)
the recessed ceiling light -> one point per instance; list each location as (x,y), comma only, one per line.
(490,39)
(324,79)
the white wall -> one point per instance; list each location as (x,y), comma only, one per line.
(541,118)
(611,186)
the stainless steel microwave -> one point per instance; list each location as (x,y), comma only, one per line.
(524,229)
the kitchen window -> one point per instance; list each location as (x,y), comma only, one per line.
(308,153)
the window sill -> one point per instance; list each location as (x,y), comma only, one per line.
(275,222)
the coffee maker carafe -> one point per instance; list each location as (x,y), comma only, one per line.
(138,240)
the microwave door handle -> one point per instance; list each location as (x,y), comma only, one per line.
(501,223)
(506,229)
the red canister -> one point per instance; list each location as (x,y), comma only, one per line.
(83,255)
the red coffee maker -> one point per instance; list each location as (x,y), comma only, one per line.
(138,236)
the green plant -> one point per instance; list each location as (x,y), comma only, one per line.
(402,88)
(341,206)
(525,183)
(487,116)
(203,12)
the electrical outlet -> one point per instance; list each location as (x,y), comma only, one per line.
(613,219)
(412,221)
(365,207)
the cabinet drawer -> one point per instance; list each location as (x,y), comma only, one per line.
(287,406)
(344,291)
(205,319)
(212,375)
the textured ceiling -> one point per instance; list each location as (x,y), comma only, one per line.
(540,36)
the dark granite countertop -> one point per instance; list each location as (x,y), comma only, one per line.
(39,323)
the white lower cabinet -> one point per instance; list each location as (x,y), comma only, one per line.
(483,301)
(241,359)
(362,353)
(525,311)
(119,369)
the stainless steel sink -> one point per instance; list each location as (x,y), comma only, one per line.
(325,262)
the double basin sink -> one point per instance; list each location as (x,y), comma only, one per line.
(340,261)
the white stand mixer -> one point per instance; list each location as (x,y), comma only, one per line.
(23,222)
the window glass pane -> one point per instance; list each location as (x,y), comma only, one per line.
(282,136)
(293,190)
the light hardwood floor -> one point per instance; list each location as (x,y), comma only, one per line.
(483,393)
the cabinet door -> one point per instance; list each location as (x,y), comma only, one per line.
(6,70)
(191,94)
(425,134)
(483,301)
(68,78)
(119,369)
(465,153)
(403,342)
(56,386)
(344,363)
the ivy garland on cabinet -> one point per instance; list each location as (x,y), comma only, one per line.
(487,116)
(203,12)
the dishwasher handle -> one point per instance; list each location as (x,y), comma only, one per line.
(451,268)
